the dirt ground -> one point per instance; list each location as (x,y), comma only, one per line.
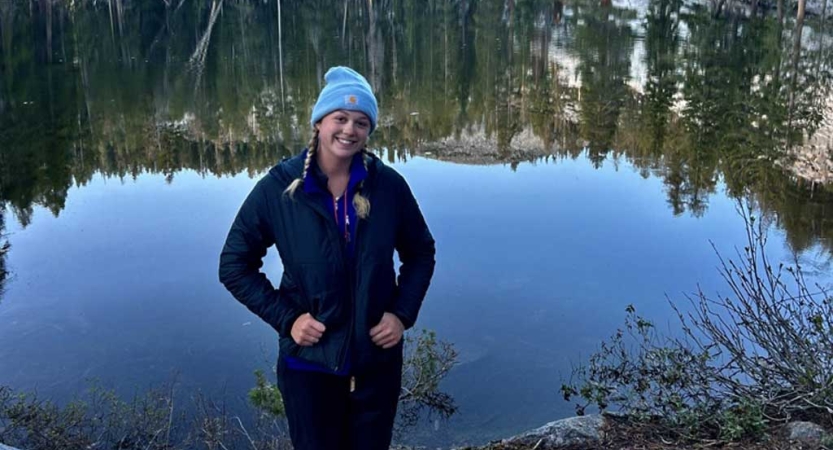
(624,437)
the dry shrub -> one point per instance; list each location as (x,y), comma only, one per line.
(742,362)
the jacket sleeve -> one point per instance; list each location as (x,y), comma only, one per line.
(416,250)
(242,257)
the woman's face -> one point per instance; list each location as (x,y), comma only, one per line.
(342,134)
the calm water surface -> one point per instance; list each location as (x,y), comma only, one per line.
(570,160)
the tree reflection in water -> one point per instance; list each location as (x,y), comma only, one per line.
(4,248)
(696,101)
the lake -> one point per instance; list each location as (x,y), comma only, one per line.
(571,159)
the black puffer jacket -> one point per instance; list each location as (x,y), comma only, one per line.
(349,299)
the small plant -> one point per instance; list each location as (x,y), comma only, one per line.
(266,397)
(427,362)
(827,442)
(640,371)
(743,420)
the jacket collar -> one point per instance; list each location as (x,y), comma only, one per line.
(315,181)
(291,168)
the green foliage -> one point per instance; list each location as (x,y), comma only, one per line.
(826,442)
(665,381)
(761,355)
(743,420)
(642,371)
(100,419)
(266,397)
(427,362)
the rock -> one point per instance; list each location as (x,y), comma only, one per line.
(816,7)
(6,447)
(571,431)
(475,146)
(805,432)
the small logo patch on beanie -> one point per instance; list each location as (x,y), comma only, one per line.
(351,100)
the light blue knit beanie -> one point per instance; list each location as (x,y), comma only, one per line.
(345,89)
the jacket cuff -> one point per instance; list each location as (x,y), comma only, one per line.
(407,322)
(284,325)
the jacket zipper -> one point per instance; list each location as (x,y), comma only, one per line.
(352,277)
(351,287)
(332,232)
(346,345)
(346,270)
(352,272)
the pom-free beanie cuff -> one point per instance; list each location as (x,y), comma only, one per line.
(345,89)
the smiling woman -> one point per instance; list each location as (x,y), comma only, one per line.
(339,310)
(341,135)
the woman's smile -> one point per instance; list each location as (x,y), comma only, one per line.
(342,134)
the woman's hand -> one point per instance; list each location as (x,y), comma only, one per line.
(307,331)
(389,331)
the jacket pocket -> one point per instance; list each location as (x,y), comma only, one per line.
(380,285)
(311,353)
(325,353)
(330,307)
(324,290)
(287,346)
(290,291)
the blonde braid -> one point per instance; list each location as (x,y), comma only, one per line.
(360,202)
(311,148)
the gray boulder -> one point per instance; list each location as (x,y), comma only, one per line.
(805,433)
(571,431)
(816,8)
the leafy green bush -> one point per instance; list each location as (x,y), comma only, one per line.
(266,397)
(742,420)
(427,362)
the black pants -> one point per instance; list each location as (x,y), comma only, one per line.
(324,415)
